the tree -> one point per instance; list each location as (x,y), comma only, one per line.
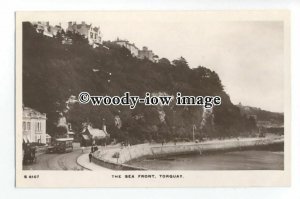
(180,63)
(52,72)
(164,61)
(61,131)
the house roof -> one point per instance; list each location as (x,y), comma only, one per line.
(86,137)
(96,29)
(121,40)
(64,139)
(78,26)
(31,113)
(96,133)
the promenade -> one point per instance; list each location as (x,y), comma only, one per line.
(83,161)
(117,157)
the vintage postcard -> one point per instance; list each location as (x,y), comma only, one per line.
(153,98)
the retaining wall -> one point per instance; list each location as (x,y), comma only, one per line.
(105,157)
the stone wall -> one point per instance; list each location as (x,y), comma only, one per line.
(106,158)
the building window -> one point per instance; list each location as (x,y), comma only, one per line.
(91,34)
(24,126)
(28,125)
(38,139)
(38,127)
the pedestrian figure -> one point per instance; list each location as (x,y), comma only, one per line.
(82,148)
(90,157)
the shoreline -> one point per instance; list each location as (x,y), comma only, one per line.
(143,151)
(276,148)
(229,160)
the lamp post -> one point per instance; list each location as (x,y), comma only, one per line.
(194,127)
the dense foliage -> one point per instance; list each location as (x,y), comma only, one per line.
(52,72)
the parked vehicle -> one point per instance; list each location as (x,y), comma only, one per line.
(61,145)
(29,154)
(51,149)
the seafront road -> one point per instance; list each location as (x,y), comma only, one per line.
(75,160)
(63,161)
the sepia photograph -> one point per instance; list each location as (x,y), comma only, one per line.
(140,92)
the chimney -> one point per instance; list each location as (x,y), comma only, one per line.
(69,23)
(83,22)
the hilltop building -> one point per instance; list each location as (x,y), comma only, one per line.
(34,126)
(93,34)
(46,29)
(94,37)
(146,54)
(130,46)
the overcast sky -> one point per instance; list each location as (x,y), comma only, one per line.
(247,55)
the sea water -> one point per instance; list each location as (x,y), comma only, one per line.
(237,160)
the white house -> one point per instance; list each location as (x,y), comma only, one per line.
(92,33)
(34,126)
(130,46)
(95,36)
(95,133)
